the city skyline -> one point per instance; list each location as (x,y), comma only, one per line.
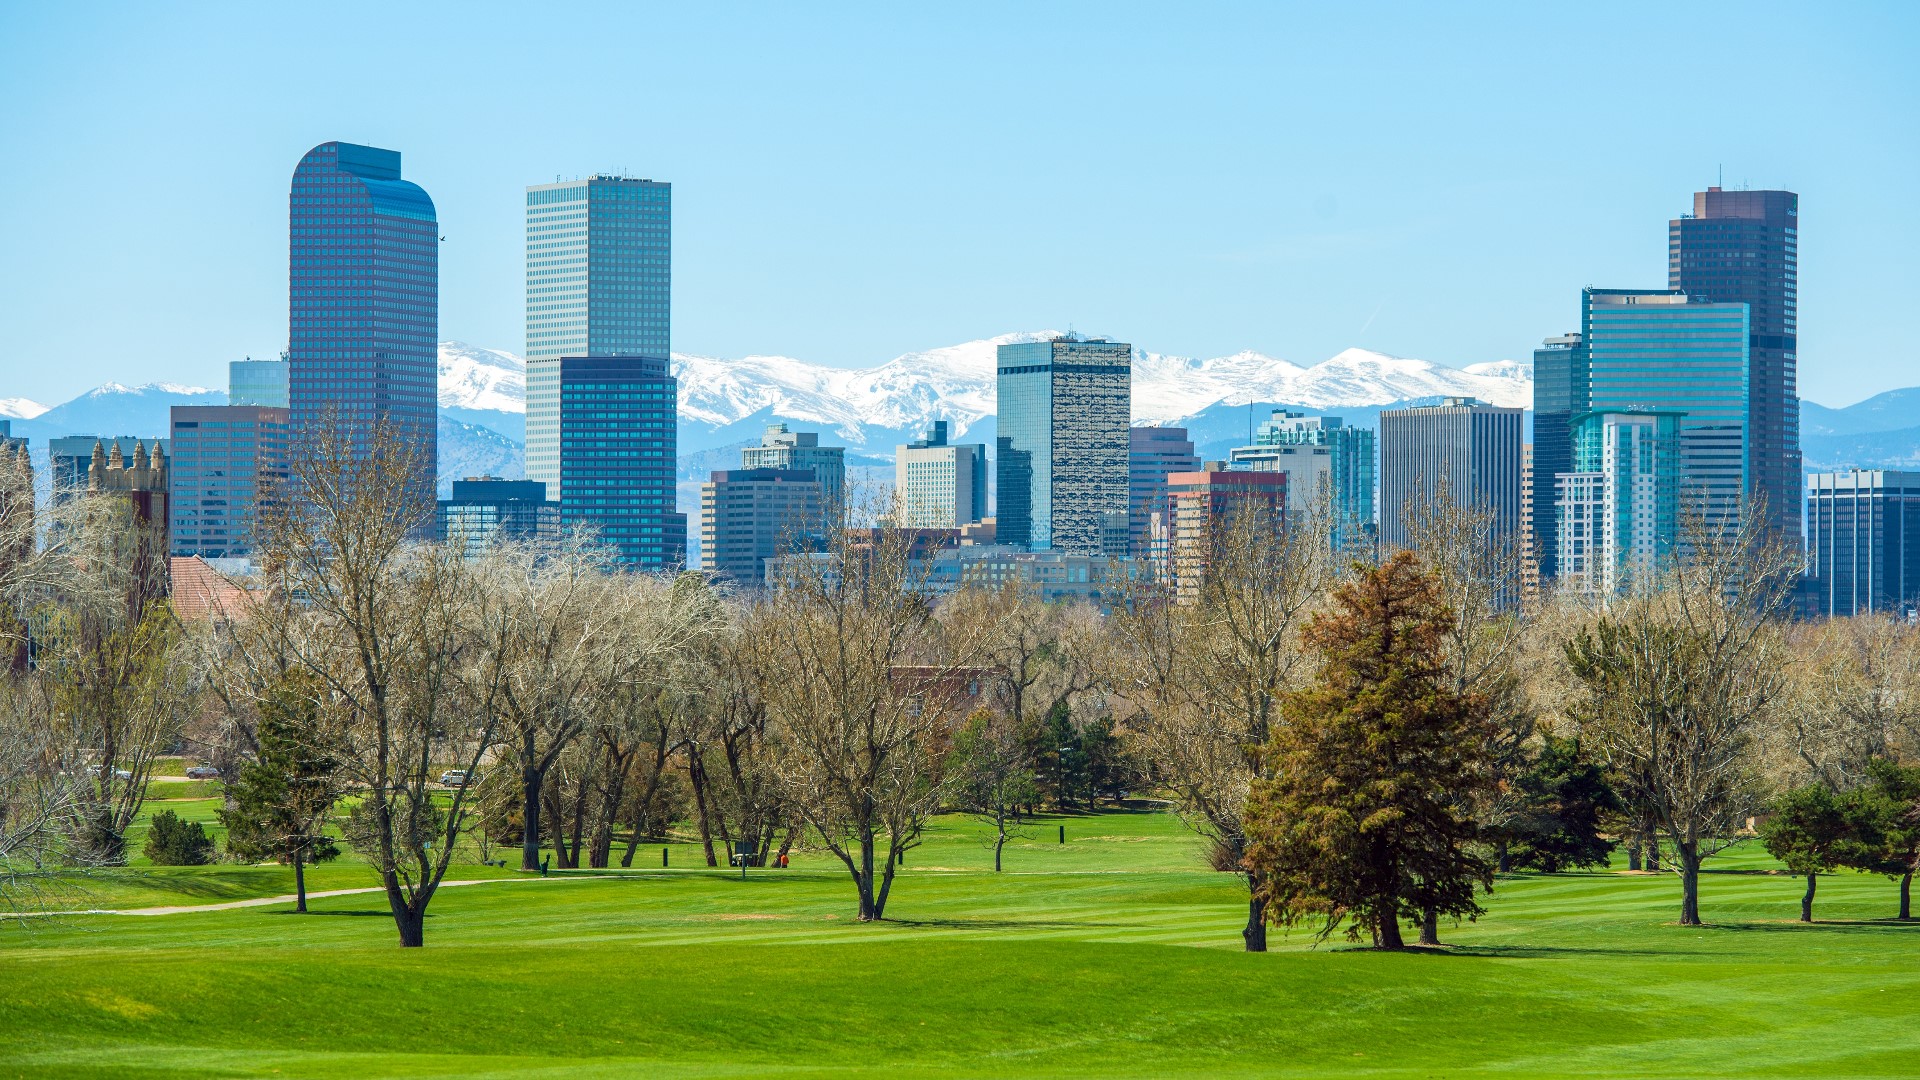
(1296,234)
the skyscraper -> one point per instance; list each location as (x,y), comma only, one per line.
(1202,506)
(1559,383)
(1658,349)
(601,411)
(1335,463)
(1152,454)
(1061,456)
(1468,449)
(1863,542)
(364,296)
(940,485)
(228,461)
(599,283)
(1619,506)
(748,516)
(257,382)
(617,440)
(783,449)
(1742,247)
(486,509)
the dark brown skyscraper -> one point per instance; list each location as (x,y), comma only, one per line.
(1743,247)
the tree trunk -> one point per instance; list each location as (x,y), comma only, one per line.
(1388,936)
(554,826)
(999,841)
(1653,855)
(1806,902)
(1689,853)
(646,799)
(1633,854)
(697,776)
(896,855)
(1906,895)
(530,778)
(299,882)
(786,842)
(1254,934)
(863,879)
(412,926)
(1430,927)
(1504,860)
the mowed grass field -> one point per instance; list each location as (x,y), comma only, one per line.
(1115,954)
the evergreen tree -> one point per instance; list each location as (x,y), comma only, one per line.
(1886,822)
(277,806)
(1362,821)
(1808,831)
(173,842)
(1563,799)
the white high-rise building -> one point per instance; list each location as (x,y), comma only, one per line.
(940,485)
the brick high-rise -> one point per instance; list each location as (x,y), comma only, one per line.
(1742,247)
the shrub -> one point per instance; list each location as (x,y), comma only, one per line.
(172,842)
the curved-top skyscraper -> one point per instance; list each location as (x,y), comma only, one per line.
(363,287)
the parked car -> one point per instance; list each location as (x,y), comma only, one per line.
(203,772)
(454,778)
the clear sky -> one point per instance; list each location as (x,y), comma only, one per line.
(1431,180)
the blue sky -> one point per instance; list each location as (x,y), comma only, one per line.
(1428,180)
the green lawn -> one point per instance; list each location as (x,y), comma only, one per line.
(1112,955)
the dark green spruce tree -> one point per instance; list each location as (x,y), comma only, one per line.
(277,806)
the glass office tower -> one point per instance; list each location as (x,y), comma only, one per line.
(599,292)
(257,382)
(1350,474)
(1619,506)
(364,296)
(1064,408)
(227,463)
(599,283)
(617,442)
(1559,380)
(1654,349)
(1742,247)
(1863,542)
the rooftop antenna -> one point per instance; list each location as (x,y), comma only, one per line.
(1722,182)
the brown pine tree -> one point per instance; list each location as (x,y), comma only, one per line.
(1362,821)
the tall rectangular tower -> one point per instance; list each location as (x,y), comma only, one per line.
(229,462)
(1659,349)
(614,424)
(1154,453)
(1742,247)
(1559,392)
(1466,448)
(599,283)
(1863,551)
(364,296)
(1061,456)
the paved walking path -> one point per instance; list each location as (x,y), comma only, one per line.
(268,901)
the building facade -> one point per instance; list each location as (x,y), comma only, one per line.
(487,509)
(1863,542)
(70,456)
(1349,483)
(618,440)
(599,283)
(1742,247)
(1559,390)
(364,301)
(258,382)
(229,463)
(1658,349)
(1061,455)
(748,516)
(783,449)
(1467,449)
(1202,505)
(937,484)
(1618,512)
(1153,453)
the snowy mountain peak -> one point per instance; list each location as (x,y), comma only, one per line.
(19,408)
(109,389)
(956,383)
(475,378)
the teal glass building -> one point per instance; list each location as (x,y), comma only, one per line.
(364,300)
(1618,516)
(599,343)
(1655,349)
(1350,475)
(1064,408)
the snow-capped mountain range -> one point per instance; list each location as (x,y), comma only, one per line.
(19,408)
(864,406)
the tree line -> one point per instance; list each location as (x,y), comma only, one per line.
(1367,743)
